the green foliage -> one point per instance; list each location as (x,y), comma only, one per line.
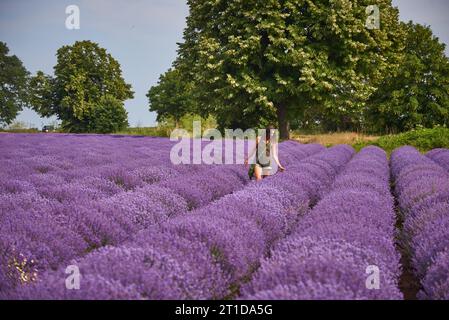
(13,85)
(42,94)
(18,127)
(144,131)
(418,94)
(23,130)
(422,139)
(171,97)
(85,76)
(255,61)
(108,116)
(313,64)
(168,124)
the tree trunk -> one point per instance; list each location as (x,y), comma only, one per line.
(283,123)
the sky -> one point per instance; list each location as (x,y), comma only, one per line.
(140,34)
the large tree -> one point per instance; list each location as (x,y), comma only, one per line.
(279,58)
(83,76)
(171,97)
(13,85)
(418,94)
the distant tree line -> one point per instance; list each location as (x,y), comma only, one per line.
(308,64)
(86,92)
(305,64)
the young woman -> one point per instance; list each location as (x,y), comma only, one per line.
(266,149)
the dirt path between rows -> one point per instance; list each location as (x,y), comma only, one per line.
(408,283)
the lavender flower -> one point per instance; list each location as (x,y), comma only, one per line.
(112,204)
(440,156)
(350,229)
(422,189)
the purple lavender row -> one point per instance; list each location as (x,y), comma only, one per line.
(201,255)
(47,161)
(82,227)
(42,233)
(103,215)
(65,187)
(181,194)
(45,219)
(106,165)
(350,229)
(422,189)
(155,203)
(23,155)
(440,156)
(48,220)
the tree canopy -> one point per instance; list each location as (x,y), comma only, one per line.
(85,78)
(13,85)
(284,59)
(171,97)
(418,94)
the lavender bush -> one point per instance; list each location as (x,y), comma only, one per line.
(64,196)
(229,237)
(139,227)
(422,190)
(327,254)
(440,156)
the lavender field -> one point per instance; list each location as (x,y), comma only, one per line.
(139,227)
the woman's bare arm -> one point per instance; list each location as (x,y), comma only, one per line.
(276,157)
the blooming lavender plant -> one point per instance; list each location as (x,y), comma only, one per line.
(233,241)
(350,229)
(422,189)
(440,156)
(65,196)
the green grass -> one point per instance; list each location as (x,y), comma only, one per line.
(33,130)
(145,131)
(422,139)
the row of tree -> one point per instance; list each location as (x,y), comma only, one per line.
(86,92)
(308,64)
(13,85)
(295,63)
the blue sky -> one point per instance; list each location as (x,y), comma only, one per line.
(140,34)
